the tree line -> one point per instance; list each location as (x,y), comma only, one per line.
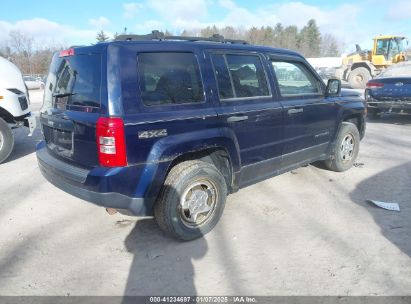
(308,40)
(33,58)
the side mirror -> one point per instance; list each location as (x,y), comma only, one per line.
(333,88)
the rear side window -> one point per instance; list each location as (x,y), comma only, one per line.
(240,76)
(169,78)
(74,83)
(294,79)
(225,88)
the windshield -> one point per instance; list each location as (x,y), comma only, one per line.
(390,47)
(382,46)
(73,83)
(401,44)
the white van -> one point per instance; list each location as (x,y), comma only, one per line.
(14,106)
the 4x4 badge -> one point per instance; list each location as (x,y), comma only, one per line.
(152,134)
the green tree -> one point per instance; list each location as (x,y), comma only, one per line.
(289,38)
(267,36)
(101,36)
(307,41)
(310,39)
(278,35)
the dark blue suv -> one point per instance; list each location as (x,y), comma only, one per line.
(169,126)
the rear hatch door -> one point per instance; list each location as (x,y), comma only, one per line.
(72,105)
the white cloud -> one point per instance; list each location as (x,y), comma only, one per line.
(399,11)
(299,13)
(290,13)
(148,26)
(345,21)
(182,11)
(45,31)
(227,4)
(130,9)
(99,22)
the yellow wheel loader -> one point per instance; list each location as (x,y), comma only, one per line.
(362,65)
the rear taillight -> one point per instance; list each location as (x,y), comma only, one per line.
(66,53)
(111,142)
(372,85)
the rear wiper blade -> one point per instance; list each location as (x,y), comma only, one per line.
(63,94)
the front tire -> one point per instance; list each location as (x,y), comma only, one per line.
(346,148)
(6,140)
(192,200)
(358,78)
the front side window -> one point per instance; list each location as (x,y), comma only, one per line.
(169,78)
(240,76)
(294,79)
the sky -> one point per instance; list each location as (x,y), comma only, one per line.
(77,22)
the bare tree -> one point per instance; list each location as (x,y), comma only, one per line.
(329,46)
(22,46)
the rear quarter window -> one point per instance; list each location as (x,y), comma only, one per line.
(74,82)
(169,78)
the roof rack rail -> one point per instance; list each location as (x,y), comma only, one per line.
(157,35)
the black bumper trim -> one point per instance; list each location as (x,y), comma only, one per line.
(74,173)
(110,200)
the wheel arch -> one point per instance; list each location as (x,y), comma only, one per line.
(218,156)
(6,116)
(212,146)
(358,120)
(368,65)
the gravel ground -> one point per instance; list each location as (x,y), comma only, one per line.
(307,232)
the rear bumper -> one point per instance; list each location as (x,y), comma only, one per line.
(389,106)
(86,184)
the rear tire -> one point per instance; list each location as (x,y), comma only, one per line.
(192,200)
(346,149)
(359,77)
(6,140)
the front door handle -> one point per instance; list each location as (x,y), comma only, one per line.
(295,111)
(237,118)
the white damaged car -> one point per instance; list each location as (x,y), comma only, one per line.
(14,107)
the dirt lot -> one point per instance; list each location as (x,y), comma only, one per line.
(307,232)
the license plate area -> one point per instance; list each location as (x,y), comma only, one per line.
(60,141)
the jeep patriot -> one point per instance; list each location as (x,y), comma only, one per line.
(169,126)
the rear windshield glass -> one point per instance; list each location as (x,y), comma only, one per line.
(73,83)
(169,78)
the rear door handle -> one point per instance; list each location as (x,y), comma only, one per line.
(237,118)
(295,111)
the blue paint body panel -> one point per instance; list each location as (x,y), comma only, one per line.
(393,96)
(269,141)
